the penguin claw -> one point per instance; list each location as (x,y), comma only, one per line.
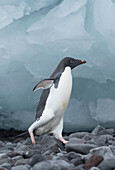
(63,140)
(34,142)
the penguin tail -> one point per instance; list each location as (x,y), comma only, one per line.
(22,134)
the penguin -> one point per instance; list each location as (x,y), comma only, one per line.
(54,100)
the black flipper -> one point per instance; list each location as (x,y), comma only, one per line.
(44,84)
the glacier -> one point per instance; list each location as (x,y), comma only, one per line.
(35,36)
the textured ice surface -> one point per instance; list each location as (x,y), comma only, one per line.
(35,36)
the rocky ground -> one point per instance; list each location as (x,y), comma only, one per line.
(94,151)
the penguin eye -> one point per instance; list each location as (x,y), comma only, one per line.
(72,61)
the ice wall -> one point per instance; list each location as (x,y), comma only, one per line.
(34,36)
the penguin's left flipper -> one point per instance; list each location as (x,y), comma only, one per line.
(44,84)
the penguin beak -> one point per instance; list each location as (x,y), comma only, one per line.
(83,61)
(77,63)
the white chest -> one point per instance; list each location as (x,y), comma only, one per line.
(59,97)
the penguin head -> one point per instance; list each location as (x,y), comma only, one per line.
(71,62)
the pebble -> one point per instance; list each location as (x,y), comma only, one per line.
(107,164)
(1,144)
(2,168)
(16,158)
(77,161)
(6,165)
(94,160)
(84,151)
(7,160)
(21,162)
(79,148)
(99,130)
(79,167)
(77,140)
(12,154)
(3,155)
(35,159)
(102,140)
(20,167)
(94,168)
(78,135)
(53,164)
(73,155)
(104,151)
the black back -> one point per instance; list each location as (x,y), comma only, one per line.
(42,102)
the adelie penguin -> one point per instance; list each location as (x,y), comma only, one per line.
(54,100)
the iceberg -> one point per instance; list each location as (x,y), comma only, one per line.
(35,36)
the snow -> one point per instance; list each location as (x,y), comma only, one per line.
(35,36)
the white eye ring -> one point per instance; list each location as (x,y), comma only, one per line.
(72,61)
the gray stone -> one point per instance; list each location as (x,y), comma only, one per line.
(102,140)
(48,157)
(1,144)
(47,140)
(99,130)
(107,164)
(60,155)
(80,148)
(30,153)
(10,144)
(28,166)
(20,146)
(9,147)
(77,140)
(86,157)
(94,168)
(48,152)
(110,131)
(21,162)
(53,164)
(73,155)
(6,165)
(87,137)
(16,158)
(13,154)
(77,161)
(3,150)
(104,151)
(91,142)
(112,148)
(7,160)
(111,142)
(2,168)
(59,144)
(20,167)
(55,157)
(27,141)
(3,155)
(35,159)
(36,147)
(79,167)
(54,148)
(78,135)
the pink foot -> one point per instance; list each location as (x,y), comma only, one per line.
(32,137)
(62,140)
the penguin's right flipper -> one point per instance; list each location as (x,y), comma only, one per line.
(44,84)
